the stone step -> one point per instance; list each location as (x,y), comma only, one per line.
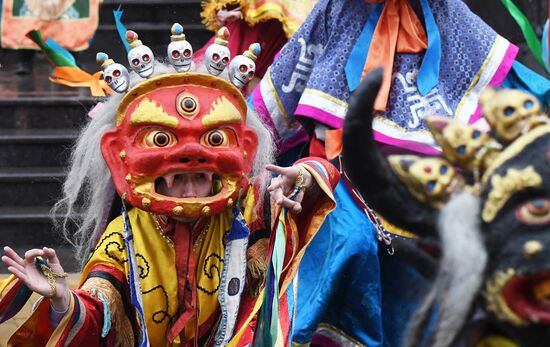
(29,186)
(35,147)
(65,253)
(32,227)
(44,112)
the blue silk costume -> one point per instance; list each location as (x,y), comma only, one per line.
(351,291)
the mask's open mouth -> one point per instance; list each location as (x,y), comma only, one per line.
(191,184)
(529,296)
(185,192)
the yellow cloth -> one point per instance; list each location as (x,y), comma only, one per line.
(156,260)
(290,13)
(496,341)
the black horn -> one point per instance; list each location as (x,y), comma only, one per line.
(369,170)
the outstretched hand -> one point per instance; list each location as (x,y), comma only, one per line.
(283,186)
(26,270)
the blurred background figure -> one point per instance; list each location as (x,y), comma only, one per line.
(71,23)
(270,23)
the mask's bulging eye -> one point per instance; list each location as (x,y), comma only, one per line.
(135,62)
(187,105)
(175,54)
(215,139)
(187,53)
(108,79)
(534,212)
(222,137)
(158,138)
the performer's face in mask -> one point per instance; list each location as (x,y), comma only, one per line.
(187,185)
(181,149)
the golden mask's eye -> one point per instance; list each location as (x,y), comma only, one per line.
(222,137)
(157,138)
(534,212)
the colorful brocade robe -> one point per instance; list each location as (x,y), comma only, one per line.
(309,79)
(100,312)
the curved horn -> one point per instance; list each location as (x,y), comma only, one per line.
(369,171)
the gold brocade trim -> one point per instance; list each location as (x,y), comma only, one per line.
(160,231)
(386,121)
(394,229)
(280,105)
(503,187)
(326,96)
(495,301)
(124,335)
(477,76)
(514,149)
(496,341)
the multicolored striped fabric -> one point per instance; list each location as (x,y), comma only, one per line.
(13,296)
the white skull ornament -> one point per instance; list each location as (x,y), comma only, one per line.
(217,55)
(180,52)
(140,57)
(243,67)
(115,75)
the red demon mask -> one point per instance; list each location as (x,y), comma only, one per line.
(180,124)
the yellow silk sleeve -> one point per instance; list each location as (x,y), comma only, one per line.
(109,251)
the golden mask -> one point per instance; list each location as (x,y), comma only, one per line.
(430,180)
(511,112)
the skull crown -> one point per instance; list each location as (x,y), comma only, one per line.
(180,55)
(243,67)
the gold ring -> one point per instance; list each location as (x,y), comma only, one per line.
(300,180)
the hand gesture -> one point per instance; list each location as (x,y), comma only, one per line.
(284,186)
(27,271)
